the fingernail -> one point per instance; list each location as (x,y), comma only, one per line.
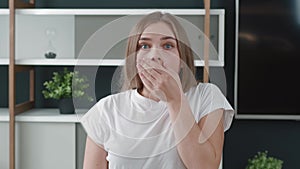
(140,67)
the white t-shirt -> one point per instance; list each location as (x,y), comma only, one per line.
(136,131)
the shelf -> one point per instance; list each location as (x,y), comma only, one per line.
(49,115)
(43,115)
(92,62)
(70,62)
(4,115)
(43,11)
(4,11)
(4,61)
(72,24)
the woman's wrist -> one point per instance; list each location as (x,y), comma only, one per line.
(176,105)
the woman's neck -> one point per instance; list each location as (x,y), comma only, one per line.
(146,93)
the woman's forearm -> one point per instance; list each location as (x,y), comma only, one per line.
(197,155)
(95,156)
(198,146)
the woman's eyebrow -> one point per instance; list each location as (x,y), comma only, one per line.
(163,38)
(144,38)
(167,37)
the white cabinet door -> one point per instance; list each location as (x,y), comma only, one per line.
(4,145)
(45,145)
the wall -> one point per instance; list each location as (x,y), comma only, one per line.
(3,86)
(245,137)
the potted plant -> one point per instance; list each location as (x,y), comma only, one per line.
(262,161)
(63,87)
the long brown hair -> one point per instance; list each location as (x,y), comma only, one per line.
(187,72)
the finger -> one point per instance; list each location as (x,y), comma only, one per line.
(153,64)
(146,72)
(145,81)
(157,64)
(153,73)
(161,70)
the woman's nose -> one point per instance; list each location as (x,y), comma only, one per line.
(155,55)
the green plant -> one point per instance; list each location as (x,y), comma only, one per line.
(65,85)
(262,161)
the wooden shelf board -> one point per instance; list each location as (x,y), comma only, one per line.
(45,11)
(93,62)
(49,115)
(4,115)
(4,61)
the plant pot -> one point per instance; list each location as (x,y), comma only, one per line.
(66,106)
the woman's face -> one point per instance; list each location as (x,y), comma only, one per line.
(159,44)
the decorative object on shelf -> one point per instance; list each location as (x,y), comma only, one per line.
(262,161)
(63,86)
(50,51)
(66,106)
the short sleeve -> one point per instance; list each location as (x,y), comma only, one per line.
(206,98)
(94,124)
(212,99)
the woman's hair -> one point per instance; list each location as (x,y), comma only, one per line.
(187,70)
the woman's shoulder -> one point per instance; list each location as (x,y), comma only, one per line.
(111,99)
(107,105)
(202,88)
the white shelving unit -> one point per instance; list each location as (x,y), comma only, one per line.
(115,11)
(4,112)
(87,62)
(33,23)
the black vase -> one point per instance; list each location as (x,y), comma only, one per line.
(66,106)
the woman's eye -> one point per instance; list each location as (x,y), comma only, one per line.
(144,46)
(168,46)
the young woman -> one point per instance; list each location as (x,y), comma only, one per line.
(163,118)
